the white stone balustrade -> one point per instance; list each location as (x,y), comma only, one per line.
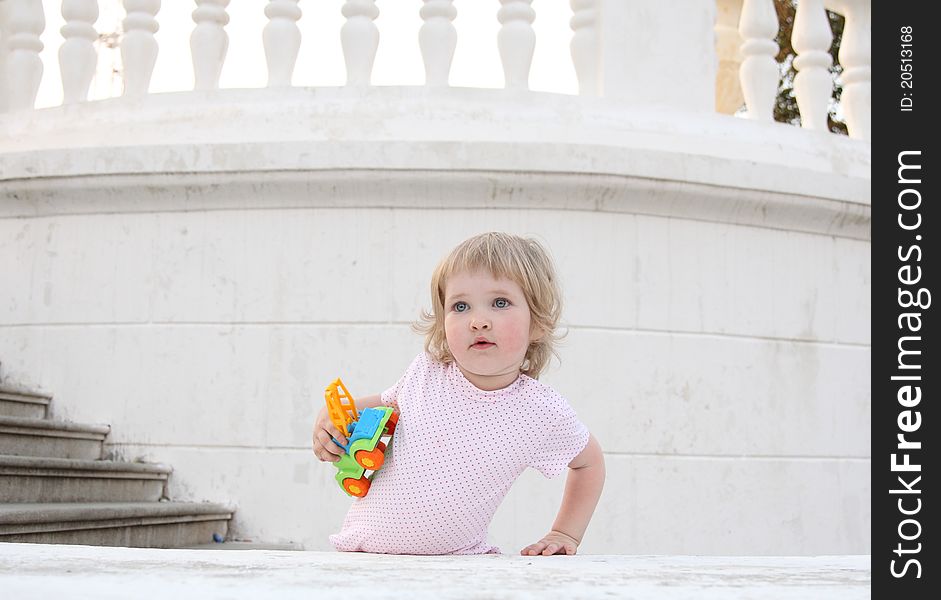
(651,58)
(209,42)
(856,58)
(759,72)
(516,41)
(437,38)
(3,55)
(360,38)
(24,22)
(138,46)
(729,54)
(282,41)
(813,85)
(611,51)
(77,55)
(586,46)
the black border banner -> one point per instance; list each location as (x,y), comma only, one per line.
(903,277)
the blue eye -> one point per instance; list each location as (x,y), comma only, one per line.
(501,303)
(460,306)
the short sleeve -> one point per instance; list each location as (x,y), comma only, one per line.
(390,397)
(566,441)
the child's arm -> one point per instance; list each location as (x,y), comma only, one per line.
(324,447)
(582,490)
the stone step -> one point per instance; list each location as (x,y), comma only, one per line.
(136,524)
(59,439)
(17,403)
(36,479)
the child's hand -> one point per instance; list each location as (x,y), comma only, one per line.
(554,542)
(324,447)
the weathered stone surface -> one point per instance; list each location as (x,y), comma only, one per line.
(38,571)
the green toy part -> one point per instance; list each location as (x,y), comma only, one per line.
(350,473)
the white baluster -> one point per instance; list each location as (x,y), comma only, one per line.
(138,47)
(360,38)
(282,41)
(759,73)
(586,55)
(77,55)
(209,42)
(856,58)
(437,39)
(813,85)
(3,55)
(516,41)
(25,22)
(728,50)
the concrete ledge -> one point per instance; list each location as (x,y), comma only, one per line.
(425,189)
(484,148)
(39,571)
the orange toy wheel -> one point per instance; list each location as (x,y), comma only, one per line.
(371,459)
(356,487)
(390,424)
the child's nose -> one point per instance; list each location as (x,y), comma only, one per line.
(477,324)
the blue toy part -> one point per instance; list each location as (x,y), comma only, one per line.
(370,419)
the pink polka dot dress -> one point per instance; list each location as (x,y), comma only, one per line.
(456,452)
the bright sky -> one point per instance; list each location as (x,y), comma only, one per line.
(320,61)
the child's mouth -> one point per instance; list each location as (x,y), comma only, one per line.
(482,345)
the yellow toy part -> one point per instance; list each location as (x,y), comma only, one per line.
(341,413)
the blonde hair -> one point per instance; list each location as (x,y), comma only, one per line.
(507,256)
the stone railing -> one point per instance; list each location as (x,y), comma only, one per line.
(745,32)
(619,52)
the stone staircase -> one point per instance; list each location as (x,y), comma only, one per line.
(56,489)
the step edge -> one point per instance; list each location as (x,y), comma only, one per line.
(13,461)
(17,395)
(79,474)
(59,434)
(87,525)
(28,426)
(52,424)
(11,513)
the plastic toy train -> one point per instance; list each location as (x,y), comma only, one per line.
(365,450)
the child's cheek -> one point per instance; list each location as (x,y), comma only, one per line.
(450,327)
(519,333)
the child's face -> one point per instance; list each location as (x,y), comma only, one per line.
(487,325)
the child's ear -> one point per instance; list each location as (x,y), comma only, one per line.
(536,334)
